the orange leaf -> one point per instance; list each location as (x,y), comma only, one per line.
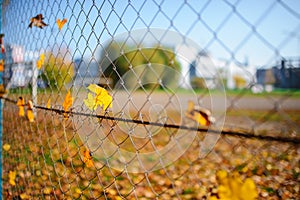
(49,103)
(1,65)
(61,23)
(199,114)
(87,159)
(67,103)
(21,104)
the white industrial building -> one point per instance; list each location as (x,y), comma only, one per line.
(196,62)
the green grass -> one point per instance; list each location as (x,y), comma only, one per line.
(235,92)
(276,92)
(259,114)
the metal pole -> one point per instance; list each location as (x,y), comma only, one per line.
(34,85)
(1,105)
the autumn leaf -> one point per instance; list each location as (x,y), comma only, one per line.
(100,98)
(21,104)
(24,196)
(30,114)
(78,191)
(61,23)
(47,190)
(231,186)
(41,61)
(6,147)
(67,103)
(37,21)
(1,65)
(87,159)
(249,188)
(200,115)
(48,103)
(2,43)
(12,177)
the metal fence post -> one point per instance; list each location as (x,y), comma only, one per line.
(1,105)
(34,85)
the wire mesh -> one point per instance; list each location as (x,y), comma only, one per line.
(151,99)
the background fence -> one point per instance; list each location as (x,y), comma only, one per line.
(108,99)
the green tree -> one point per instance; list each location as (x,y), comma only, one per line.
(198,83)
(156,65)
(57,70)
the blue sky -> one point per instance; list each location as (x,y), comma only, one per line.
(260,31)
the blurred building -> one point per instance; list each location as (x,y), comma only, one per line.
(285,75)
(17,73)
(215,72)
(195,63)
(18,67)
(86,72)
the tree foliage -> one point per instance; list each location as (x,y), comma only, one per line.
(151,67)
(57,70)
(198,83)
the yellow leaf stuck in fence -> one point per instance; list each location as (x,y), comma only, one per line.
(41,61)
(21,104)
(100,98)
(48,103)
(200,115)
(37,21)
(87,159)
(61,23)
(68,102)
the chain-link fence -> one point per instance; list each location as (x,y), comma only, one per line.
(151,99)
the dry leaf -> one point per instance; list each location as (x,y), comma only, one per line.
(231,186)
(200,115)
(37,21)
(2,43)
(41,61)
(24,196)
(87,159)
(48,103)
(67,103)
(61,23)
(1,65)
(47,190)
(21,104)
(6,147)
(100,98)
(78,191)
(12,177)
